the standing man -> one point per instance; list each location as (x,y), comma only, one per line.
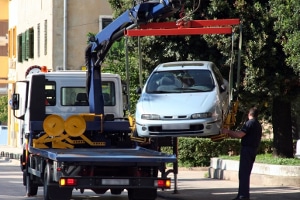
(251,136)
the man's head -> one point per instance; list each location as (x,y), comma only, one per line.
(253,113)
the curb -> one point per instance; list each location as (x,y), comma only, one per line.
(256,179)
(262,174)
(10,157)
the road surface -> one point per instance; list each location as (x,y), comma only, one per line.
(192,185)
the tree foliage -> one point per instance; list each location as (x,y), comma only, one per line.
(116,62)
(3,109)
(287,27)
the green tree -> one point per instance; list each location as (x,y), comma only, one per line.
(266,77)
(116,62)
(3,109)
(287,26)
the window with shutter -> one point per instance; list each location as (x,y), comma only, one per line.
(38,40)
(3,35)
(31,43)
(23,46)
(14,42)
(45,38)
(10,47)
(20,48)
(26,44)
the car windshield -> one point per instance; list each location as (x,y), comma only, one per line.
(178,81)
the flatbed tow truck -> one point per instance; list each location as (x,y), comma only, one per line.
(89,145)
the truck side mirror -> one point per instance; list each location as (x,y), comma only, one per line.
(15,102)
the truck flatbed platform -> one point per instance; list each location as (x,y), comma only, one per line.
(105,155)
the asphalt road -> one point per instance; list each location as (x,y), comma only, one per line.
(192,185)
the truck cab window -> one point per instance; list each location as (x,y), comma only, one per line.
(50,93)
(108,91)
(76,96)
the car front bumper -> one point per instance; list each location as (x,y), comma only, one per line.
(178,128)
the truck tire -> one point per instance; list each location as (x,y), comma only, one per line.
(47,173)
(24,177)
(52,191)
(142,194)
(31,188)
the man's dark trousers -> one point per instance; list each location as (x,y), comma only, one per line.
(247,159)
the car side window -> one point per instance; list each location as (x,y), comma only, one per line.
(218,76)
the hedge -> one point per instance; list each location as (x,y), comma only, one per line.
(196,152)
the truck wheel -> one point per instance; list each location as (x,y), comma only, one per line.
(52,191)
(24,177)
(47,173)
(31,188)
(142,194)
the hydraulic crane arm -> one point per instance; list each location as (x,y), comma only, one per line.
(142,12)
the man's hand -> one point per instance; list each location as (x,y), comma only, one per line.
(226,132)
(233,134)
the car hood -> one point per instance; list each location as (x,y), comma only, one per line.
(177,104)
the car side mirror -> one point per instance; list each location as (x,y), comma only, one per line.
(138,90)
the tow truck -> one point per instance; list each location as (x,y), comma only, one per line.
(81,144)
(72,138)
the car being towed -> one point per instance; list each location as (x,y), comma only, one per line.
(184,98)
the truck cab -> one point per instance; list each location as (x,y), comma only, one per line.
(64,94)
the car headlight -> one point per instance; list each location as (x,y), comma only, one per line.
(201,115)
(150,116)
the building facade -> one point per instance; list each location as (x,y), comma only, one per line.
(3,46)
(49,33)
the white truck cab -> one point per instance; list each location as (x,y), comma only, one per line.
(63,93)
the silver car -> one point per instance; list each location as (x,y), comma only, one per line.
(185,98)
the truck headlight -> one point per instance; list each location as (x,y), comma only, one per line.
(150,116)
(201,115)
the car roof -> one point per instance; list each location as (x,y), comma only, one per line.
(179,65)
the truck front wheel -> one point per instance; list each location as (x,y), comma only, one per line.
(31,188)
(47,174)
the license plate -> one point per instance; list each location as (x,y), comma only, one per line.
(175,126)
(115,181)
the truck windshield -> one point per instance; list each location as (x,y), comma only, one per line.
(178,81)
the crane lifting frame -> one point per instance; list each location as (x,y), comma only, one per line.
(190,27)
(180,27)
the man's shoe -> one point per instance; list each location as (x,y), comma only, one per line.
(241,198)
